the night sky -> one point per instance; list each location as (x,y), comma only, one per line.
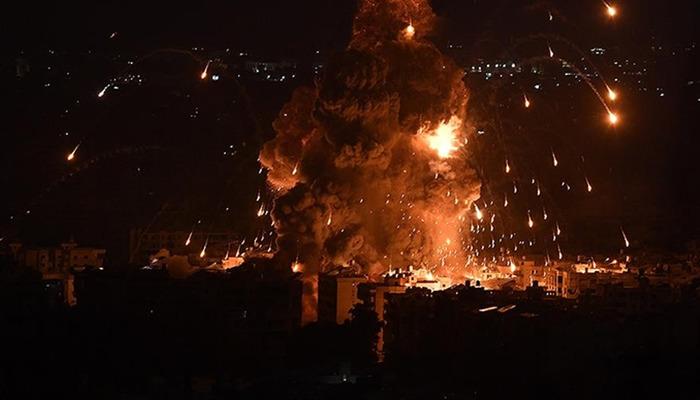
(154,159)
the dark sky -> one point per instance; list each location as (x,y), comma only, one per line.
(288,25)
(648,165)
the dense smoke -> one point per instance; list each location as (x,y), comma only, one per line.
(371,166)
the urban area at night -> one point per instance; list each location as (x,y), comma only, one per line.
(351,199)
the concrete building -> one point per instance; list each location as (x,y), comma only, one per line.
(56,264)
(338,293)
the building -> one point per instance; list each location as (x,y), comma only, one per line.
(57,264)
(338,293)
(143,244)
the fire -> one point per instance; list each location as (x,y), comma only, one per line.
(206,71)
(103,91)
(624,237)
(204,249)
(612,95)
(613,118)
(611,10)
(409,32)
(478,213)
(297,267)
(71,155)
(330,219)
(444,139)
(512,267)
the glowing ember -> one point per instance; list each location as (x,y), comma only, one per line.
(204,249)
(189,239)
(479,215)
(624,237)
(588,185)
(444,139)
(71,155)
(297,267)
(555,162)
(530,222)
(409,32)
(612,95)
(507,167)
(611,10)
(527,101)
(613,118)
(551,52)
(206,71)
(103,91)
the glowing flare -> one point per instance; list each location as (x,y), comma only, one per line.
(204,73)
(558,229)
(612,95)
(551,52)
(103,91)
(530,222)
(613,118)
(330,219)
(71,155)
(544,213)
(189,239)
(555,162)
(261,210)
(624,237)
(611,10)
(296,169)
(444,139)
(505,202)
(204,249)
(507,167)
(479,215)
(561,256)
(588,185)
(297,267)
(527,101)
(409,32)
(512,267)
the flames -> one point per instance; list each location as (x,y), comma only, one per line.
(444,139)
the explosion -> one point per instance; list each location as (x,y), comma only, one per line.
(370,167)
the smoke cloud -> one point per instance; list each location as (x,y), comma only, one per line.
(371,167)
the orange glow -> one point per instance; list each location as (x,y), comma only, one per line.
(444,139)
(206,71)
(296,169)
(330,219)
(555,162)
(613,118)
(551,52)
(297,267)
(409,32)
(204,249)
(527,101)
(189,239)
(479,215)
(611,10)
(624,237)
(588,185)
(507,167)
(612,95)
(530,222)
(71,155)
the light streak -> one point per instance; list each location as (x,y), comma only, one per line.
(71,155)
(204,249)
(104,90)
(624,237)
(189,238)
(204,73)
(527,101)
(555,162)
(588,185)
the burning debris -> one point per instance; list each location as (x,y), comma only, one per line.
(370,167)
